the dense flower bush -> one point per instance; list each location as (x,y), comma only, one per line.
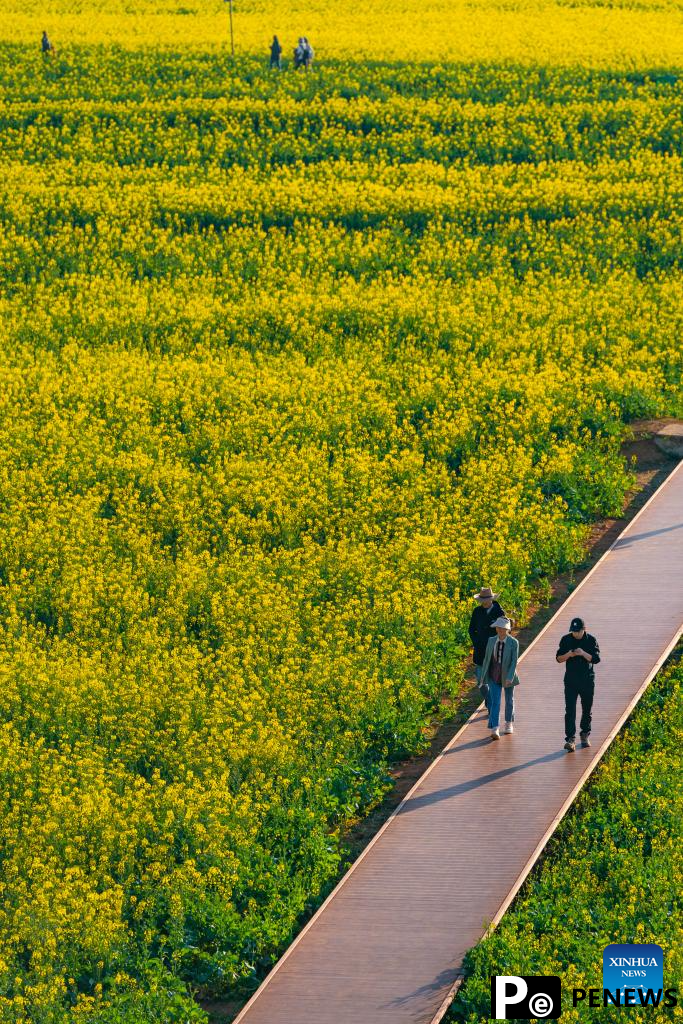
(289,366)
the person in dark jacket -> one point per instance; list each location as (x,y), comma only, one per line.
(481,629)
(275,53)
(579,652)
(46,46)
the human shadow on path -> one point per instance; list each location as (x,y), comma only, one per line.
(483,741)
(625,542)
(443,981)
(416,802)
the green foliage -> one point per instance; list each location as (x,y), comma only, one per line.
(289,367)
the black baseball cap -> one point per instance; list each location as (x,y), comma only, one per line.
(577,624)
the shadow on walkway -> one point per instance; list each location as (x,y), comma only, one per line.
(444,980)
(485,741)
(414,803)
(626,542)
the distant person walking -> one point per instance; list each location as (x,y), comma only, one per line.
(579,652)
(46,46)
(300,53)
(275,53)
(481,630)
(303,54)
(499,672)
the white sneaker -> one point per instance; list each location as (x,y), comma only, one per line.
(495,735)
(508,728)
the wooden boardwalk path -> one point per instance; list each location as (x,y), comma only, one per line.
(388,944)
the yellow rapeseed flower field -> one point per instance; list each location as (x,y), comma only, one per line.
(289,365)
(624,34)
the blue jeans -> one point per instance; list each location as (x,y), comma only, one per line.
(495,692)
(483,686)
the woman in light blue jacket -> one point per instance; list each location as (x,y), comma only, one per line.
(499,673)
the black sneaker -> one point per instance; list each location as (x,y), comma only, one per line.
(570,745)
(585,742)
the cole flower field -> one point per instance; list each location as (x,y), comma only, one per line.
(290,365)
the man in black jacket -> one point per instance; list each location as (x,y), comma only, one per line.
(481,628)
(579,652)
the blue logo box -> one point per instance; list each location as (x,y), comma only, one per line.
(635,966)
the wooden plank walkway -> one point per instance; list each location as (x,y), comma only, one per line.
(387,945)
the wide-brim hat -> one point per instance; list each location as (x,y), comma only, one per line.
(502,623)
(485,593)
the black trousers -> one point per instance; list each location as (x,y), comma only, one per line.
(584,690)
